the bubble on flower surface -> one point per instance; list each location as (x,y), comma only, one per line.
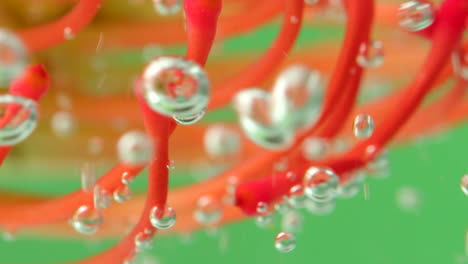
(256,120)
(163,217)
(371,55)
(127,178)
(63,123)
(416,15)
(285,242)
(363,126)
(171,165)
(460,64)
(167,7)
(86,220)
(321,184)
(122,193)
(297,97)
(101,197)
(464,184)
(177,88)
(296,196)
(262,208)
(315,148)
(265,220)
(135,148)
(13,57)
(221,141)
(68,33)
(143,241)
(88,177)
(208,211)
(18,119)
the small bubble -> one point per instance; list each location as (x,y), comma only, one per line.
(135,148)
(13,56)
(352,187)
(167,7)
(464,184)
(315,148)
(262,207)
(296,196)
(292,221)
(127,178)
(221,141)
(63,123)
(102,198)
(283,205)
(320,208)
(68,33)
(208,211)
(143,241)
(86,220)
(171,165)
(321,184)
(264,221)
(408,199)
(363,126)
(371,55)
(163,217)
(122,193)
(416,15)
(285,242)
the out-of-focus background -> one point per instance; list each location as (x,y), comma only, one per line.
(416,215)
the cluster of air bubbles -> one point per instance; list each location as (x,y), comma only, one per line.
(167,7)
(86,220)
(272,119)
(371,54)
(135,148)
(321,184)
(363,126)
(221,141)
(208,211)
(177,88)
(13,57)
(162,217)
(63,123)
(315,148)
(285,242)
(18,118)
(464,184)
(416,15)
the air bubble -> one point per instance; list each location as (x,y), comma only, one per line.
(296,196)
(292,221)
(102,198)
(221,141)
(122,193)
(315,148)
(163,217)
(143,241)
(363,126)
(255,117)
(262,208)
(416,15)
(297,97)
(135,148)
(464,184)
(18,118)
(352,187)
(285,242)
(320,208)
(167,7)
(86,220)
(63,123)
(321,184)
(208,211)
(371,55)
(177,88)
(13,57)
